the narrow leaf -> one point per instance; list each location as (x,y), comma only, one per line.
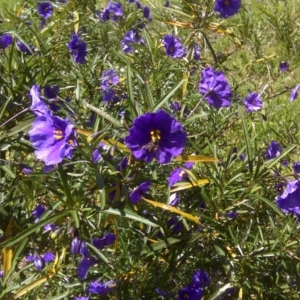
(173,209)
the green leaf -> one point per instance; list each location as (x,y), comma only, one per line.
(19,237)
(129,215)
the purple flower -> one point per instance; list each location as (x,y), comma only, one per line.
(196,52)
(78,49)
(87,262)
(173,46)
(200,279)
(101,288)
(167,4)
(51,93)
(27,49)
(45,10)
(296,167)
(137,194)
(109,78)
(38,105)
(147,13)
(215,88)
(53,138)
(75,245)
(294,93)
(48,169)
(273,150)
(227,8)
(38,261)
(5,41)
(113,11)
(175,224)
(289,201)
(253,102)
(232,215)
(279,188)
(156,135)
(189,293)
(25,169)
(82,298)
(175,107)
(179,174)
(107,240)
(283,66)
(38,211)
(131,37)
(1,273)
(48,257)
(174,200)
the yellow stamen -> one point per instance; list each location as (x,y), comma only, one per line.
(57,134)
(181,173)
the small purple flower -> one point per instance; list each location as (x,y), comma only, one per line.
(167,3)
(51,92)
(101,288)
(38,105)
(156,135)
(179,174)
(38,261)
(113,11)
(82,298)
(1,273)
(242,157)
(253,102)
(5,41)
(48,169)
(232,215)
(175,225)
(174,200)
(147,13)
(86,263)
(289,201)
(45,10)
(215,88)
(294,93)
(190,293)
(196,52)
(101,243)
(37,212)
(200,279)
(78,49)
(27,49)
(273,150)
(48,257)
(283,66)
(137,194)
(227,8)
(296,167)
(131,37)
(53,137)
(75,245)
(279,188)
(175,107)
(109,78)
(173,46)
(25,169)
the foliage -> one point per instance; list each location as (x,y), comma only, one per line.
(226,222)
